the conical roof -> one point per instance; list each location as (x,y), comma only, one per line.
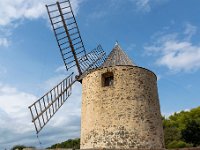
(117,57)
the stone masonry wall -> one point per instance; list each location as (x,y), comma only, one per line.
(194,148)
(123,116)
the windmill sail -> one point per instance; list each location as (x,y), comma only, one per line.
(95,59)
(67,33)
(69,39)
(44,108)
(73,53)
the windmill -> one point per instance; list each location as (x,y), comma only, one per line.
(73,54)
(120,103)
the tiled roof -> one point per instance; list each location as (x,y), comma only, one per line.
(117,57)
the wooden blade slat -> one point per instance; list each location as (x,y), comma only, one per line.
(42,113)
(44,108)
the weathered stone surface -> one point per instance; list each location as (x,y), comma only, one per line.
(194,148)
(125,115)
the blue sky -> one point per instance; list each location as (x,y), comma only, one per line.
(161,35)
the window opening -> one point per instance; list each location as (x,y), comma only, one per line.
(108,79)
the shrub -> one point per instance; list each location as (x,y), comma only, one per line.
(178,144)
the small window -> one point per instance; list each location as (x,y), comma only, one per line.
(107,79)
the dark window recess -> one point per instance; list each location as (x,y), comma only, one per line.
(108,79)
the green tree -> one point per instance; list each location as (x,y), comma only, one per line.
(181,129)
(178,144)
(71,143)
(191,134)
(171,134)
(19,147)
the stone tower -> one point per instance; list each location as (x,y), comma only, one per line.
(120,106)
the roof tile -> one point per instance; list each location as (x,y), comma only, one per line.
(117,57)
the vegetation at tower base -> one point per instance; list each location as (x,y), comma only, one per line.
(71,143)
(20,147)
(182,129)
(191,134)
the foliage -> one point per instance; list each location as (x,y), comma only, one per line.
(191,133)
(171,134)
(178,144)
(20,147)
(182,129)
(71,143)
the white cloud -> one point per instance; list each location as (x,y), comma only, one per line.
(146,5)
(143,5)
(52,82)
(4,42)
(15,118)
(60,74)
(176,51)
(19,9)
(15,10)
(168,114)
(12,101)
(12,14)
(190,30)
